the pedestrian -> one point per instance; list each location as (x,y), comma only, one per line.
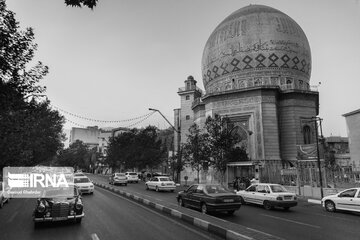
(235,184)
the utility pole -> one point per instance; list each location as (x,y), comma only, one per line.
(316,119)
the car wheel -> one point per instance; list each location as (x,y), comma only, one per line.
(230,212)
(78,220)
(147,187)
(267,205)
(204,209)
(125,184)
(330,206)
(37,224)
(1,203)
(242,201)
(171,190)
(157,188)
(181,202)
(286,208)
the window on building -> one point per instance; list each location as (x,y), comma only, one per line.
(187,97)
(307,134)
(187,117)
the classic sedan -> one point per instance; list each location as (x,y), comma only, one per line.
(209,198)
(348,200)
(160,184)
(269,195)
(56,206)
(118,178)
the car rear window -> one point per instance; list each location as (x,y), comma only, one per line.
(81,180)
(164,179)
(120,174)
(133,173)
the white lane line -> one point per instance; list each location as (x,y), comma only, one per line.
(161,215)
(267,234)
(292,221)
(11,219)
(94,237)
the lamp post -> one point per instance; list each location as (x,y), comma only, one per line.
(178,142)
(316,120)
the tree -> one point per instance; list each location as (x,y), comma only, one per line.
(79,3)
(136,149)
(31,133)
(77,156)
(223,143)
(196,150)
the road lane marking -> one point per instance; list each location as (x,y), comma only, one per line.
(161,215)
(292,221)
(11,219)
(94,237)
(267,234)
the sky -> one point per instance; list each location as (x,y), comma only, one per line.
(114,62)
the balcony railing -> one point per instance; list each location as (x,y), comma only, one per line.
(183,89)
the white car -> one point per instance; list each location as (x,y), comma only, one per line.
(3,199)
(132,177)
(348,200)
(84,184)
(269,195)
(118,178)
(160,184)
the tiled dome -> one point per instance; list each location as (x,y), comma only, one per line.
(256,45)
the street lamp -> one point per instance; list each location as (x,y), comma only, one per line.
(178,142)
(315,120)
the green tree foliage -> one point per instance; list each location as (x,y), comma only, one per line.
(196,151)
(77,155)
(80,3)
(223,142)
(31,133)
(136,149)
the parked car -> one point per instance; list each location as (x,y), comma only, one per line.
(58,207)
(348,200)
(118,178)
(209,198)
(160,184)
(3,198)
(132,177)
(269,195)
(84,184)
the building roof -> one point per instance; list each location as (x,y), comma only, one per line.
(337,139)
(351,113)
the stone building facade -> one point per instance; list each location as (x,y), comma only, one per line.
(256,69)
(353,127)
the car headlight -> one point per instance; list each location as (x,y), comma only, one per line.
(279,198)
(92,186)
(162,184)
(41,207)
(78,205)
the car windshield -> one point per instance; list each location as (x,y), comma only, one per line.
(78,174)
(81,180)
(60,192)
(215,189)
(120,174)
(277,188)
(164,179)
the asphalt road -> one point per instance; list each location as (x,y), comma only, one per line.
(305,221)
(107,216)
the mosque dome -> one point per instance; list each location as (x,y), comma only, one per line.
(256,45)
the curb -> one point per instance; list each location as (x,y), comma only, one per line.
(207,226)
(314,201)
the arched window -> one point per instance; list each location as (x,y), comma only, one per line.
(307,134)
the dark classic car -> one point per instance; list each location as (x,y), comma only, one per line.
(209,198)
(59,207)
